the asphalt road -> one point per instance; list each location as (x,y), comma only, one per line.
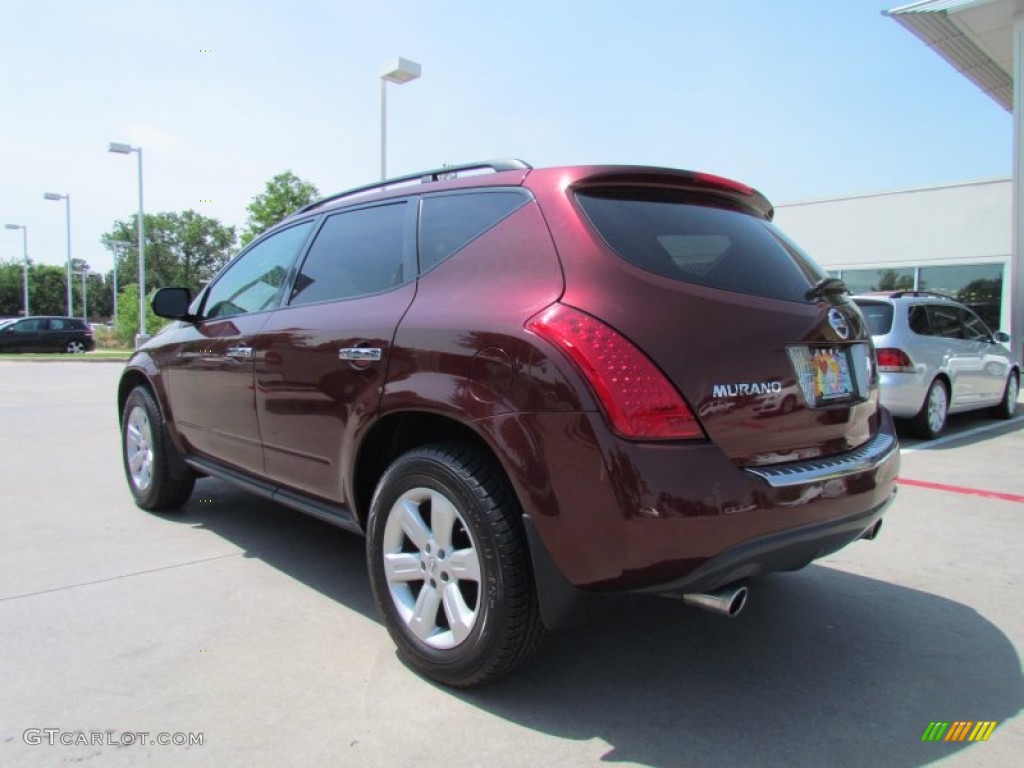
(252,627)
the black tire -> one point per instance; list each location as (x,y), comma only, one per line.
(486,528)
(159,488)
(931,419)
(74,347)
(1007,407)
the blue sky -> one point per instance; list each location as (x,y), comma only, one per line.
(800,99)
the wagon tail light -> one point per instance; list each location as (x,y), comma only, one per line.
(639,400)
(894,361)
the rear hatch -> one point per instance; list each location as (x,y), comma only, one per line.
(768,352)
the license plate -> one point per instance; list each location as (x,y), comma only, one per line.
(825,374)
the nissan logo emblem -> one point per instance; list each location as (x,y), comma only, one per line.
(838,323)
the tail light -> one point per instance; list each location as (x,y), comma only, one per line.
(639,401)
(892,360)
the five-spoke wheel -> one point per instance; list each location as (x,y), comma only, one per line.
(449,565)
(153,481)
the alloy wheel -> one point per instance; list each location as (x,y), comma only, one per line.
(432,568)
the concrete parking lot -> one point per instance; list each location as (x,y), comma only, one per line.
(253,626)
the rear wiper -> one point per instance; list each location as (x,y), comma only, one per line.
(827,286)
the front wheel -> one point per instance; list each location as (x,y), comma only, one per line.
(144,449)
(450,568)
(1008,405)
(931,419)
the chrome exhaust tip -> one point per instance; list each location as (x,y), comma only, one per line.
(872,533)
(725,602)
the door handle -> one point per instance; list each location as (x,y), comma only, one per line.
(242,352)
(361,354)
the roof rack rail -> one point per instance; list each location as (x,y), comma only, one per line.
(438,174)
(935,294)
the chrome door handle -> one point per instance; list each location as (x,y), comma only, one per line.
(242,352)
(363,354)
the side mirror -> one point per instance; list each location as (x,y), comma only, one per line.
(172,303)
(1002,337)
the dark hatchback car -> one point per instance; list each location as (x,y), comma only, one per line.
(527,388)
(46,334)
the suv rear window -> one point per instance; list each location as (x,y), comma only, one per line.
(694,240)
(879,316)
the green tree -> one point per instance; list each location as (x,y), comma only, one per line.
(283,194)
(182,249)
(126,324)
(48,289)
(11,289)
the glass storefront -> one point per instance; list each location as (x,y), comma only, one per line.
(979,286)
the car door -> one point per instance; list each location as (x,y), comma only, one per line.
(25,335)
(57,334)
(208,372)
(994,363)
(322,359)
(954,353)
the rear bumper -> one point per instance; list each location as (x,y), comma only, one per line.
(902,393)
(780,551)
(612,515)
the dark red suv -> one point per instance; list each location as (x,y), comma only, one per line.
(526,387)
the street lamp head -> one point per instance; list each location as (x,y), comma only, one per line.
(401,71)
(14,226)
(53,196)
(121,149)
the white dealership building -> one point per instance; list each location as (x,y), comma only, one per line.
(953,239)
(965,239)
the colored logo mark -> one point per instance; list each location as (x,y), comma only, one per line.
(959,730)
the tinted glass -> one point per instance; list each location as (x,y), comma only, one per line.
(688,239)
(252,282)
(945,322)
(449,222)
(878,315)
(917,319)
(870,280)
(979,286)
(30,326)
(974,328)
(354,254)
(62,324)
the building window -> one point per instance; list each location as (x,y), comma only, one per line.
(871,280)
(979,286)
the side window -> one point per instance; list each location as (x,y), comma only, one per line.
(974,328)
(30,326)
(59,324)
(354,254)
(449,222)
(945,322)
(918,320)
(252,282)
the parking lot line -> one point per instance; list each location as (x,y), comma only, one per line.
(928,445)
(961,489)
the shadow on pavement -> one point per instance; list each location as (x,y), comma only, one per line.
(822,668)
(961,424)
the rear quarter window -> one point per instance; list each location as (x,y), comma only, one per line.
(699,241)
(878,316)
(450,222)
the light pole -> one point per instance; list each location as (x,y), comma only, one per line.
(124,149)
(400,72)
(67,200)
(24,250)
(85,295)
